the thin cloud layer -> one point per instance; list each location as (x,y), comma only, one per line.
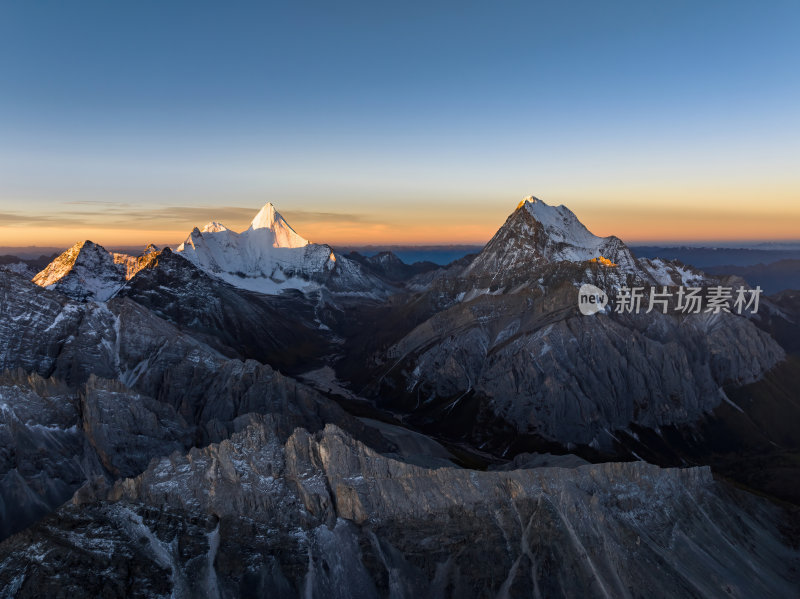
(125,215)
(127,223)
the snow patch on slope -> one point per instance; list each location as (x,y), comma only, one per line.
(562,226)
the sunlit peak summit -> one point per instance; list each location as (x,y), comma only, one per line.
(269,219)
(265,219)
(214,227)
(528,200)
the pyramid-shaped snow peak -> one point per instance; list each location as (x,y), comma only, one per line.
(283,236)
(561,225)
(270,256)
(537,234)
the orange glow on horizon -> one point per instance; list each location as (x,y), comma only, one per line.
(474,224)
(653,225)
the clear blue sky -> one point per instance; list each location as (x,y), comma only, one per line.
(398,121)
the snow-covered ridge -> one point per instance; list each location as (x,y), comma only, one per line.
(562,226)
(537,234)
(270,256)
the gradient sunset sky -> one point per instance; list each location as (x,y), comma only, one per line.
(398,122)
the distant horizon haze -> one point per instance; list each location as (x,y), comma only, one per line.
(364,231)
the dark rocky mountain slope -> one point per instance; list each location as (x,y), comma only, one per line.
(322,515)
(464,431)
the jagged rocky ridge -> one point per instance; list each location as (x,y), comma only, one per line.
(137,386)
(98,390)
(268,258)
(89,271)
(498,345)
(327,516)
(389,266)
(283,331)
(543,369)
(237,322)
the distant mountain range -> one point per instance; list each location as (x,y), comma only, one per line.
(706,257)
(409,254)
(252,414)
(774,269)
(772,277)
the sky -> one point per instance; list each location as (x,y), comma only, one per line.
(411,122)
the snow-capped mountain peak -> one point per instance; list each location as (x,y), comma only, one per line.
(84,271)
(561,224)
(537,234)
(265,219)
(88,271)
(270,256)
(214,227)
(269,219)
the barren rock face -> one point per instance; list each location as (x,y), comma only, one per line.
(127,387)
(127,429)
(123,340)
(535,363)
(501,346)
(34,324)
(323,515)
(41,449)
(85,271)
(239,323)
